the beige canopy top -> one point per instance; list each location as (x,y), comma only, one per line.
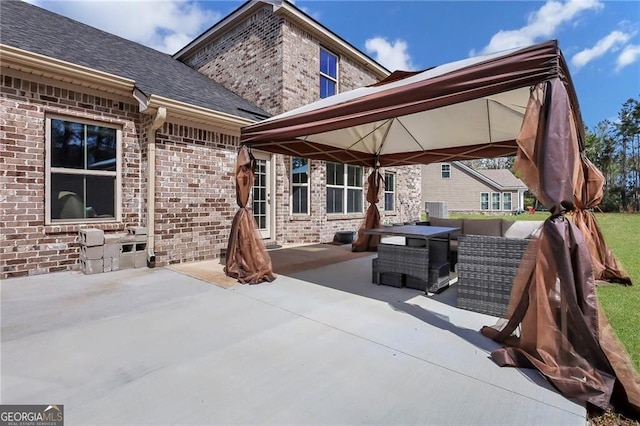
(467,109)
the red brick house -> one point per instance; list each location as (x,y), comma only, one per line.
(95,126)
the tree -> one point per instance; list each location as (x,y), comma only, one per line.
(614,147)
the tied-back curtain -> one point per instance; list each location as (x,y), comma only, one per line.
(367,242)
(588,196)
(247,257)
(553,302)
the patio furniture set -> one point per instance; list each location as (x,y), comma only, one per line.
(485,254)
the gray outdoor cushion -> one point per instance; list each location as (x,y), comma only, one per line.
(453,223)
(492,227)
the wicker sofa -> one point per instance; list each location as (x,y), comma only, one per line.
(488,253)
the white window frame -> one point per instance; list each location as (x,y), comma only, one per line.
(327,76)
(499,201)
(506,195)
(300,185)
(391,192)
(346,187)
(49,171)
(481,201)
(447,171)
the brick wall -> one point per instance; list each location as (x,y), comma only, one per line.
(28,246)
(247,60)
(195,193)
(275,63)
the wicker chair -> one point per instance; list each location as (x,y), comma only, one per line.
(396,261)
(487,266)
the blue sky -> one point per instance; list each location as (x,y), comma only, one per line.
(600,39)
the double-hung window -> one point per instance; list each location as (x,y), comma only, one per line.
(328,73)
(495,201)
(389,191)
(83,170)
(484,201)
(506,201)
(344,188)
(299,185)
(445,171)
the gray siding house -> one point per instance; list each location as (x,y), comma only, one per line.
(466,190)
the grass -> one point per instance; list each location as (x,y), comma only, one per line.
(620,303)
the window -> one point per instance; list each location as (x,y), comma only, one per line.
(328,73)
(506,201)
(445,171)
(389,191)
(344,188)
(299,185)
(83,171)
(484,201)
(495,201)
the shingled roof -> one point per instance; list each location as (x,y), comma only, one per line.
(501,179)
(36,30)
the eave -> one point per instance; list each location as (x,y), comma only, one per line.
(56,69)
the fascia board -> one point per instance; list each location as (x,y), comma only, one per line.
(37,64)
(479,176)
(219,28)
(198,114)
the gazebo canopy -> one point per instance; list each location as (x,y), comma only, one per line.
(473,108)
(519,102)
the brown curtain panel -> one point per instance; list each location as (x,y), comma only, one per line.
(588,196)
(552,320)
(366,242)
(247,258)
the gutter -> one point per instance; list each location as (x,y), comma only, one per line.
(158,121)
(46,66)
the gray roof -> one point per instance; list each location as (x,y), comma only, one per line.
(36,30)
(503,177)
(498,178)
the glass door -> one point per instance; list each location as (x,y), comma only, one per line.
(262,195)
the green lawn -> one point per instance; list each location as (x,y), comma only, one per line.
(620,303)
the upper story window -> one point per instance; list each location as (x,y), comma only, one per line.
(83,171)
(344,188)
(328,73)
(389,191)
(445,171)
(299,185)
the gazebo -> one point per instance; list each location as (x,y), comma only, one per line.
(519,102)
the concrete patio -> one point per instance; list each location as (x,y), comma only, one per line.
(320,346)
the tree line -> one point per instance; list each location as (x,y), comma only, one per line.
(614,147)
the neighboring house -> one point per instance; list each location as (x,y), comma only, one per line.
(83,111)
(470,191)
(275,55)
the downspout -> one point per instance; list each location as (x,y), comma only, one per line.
(158,121)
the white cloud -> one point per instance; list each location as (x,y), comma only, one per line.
(541,24)
(166,25)
(611,42)
(629,55)
(392,56)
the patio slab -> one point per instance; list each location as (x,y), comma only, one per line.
(322,346)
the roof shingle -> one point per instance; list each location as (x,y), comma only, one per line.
(36,30)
